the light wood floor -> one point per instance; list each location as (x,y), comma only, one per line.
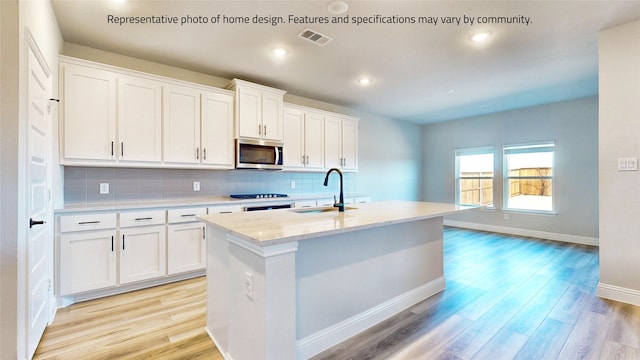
(506,298)
(164,322)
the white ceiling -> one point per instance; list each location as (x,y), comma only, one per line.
(414,67)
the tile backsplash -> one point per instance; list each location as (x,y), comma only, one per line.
(82,184)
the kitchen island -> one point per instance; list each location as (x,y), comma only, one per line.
(288,284)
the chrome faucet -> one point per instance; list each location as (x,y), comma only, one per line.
(339,205)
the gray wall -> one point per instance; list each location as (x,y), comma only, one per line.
(389,156)
(573,125)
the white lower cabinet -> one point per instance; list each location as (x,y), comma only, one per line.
(186,243)
(142,253)
(87,252)
(87,261)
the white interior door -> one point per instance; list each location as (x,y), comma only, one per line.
(39,242)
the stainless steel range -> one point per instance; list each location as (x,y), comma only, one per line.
(264,206)
(258,196)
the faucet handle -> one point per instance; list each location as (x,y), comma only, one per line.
(335,202)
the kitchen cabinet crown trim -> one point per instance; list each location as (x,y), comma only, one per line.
(124,71)
(288,105)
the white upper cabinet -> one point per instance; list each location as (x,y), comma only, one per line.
(349,145)
(139,119)
(217,130)
(181,119)
(341,143)
(89,114)
(112,116)
(259,111)
(303,139)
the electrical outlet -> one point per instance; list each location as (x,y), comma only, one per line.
(293,184)
(506,216)
(196,186)
(248,284)
(104,188)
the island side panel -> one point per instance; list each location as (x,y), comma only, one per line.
(217,285)
(261,295)
(348,282)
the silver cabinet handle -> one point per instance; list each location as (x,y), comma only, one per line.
(204,153)
(265,129)
(259,129)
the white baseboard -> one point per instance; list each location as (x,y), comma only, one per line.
(576,239)
(618,293)
(222,351)
(335,334)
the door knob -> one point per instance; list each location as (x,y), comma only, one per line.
(35,222)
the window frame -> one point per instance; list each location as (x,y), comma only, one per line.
(528,148)
(480,150)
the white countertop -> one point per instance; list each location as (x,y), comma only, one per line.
(196,201)
(265,228)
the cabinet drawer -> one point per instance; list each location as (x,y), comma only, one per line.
(304,204)
(142,218)
(223,209)
(183,215)
(70,223)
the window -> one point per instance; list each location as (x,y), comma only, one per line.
(474,176)
(528,177)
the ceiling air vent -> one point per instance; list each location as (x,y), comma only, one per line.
(315,37)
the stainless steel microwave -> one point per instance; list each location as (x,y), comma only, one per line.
(258,154)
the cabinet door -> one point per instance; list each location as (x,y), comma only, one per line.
(89,113)
(249,113)
(139,120)
(350,145)
(217,130)
(87,261)
(293,151)
(186,246)
(314,140)
(142,253)
(181,124)
(272,123)
(332,142)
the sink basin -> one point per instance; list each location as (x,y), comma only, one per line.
(320,210)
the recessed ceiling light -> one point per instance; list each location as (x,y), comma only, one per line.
(279,52)
(338,7)
(451,91)
(480,37)
(364,81)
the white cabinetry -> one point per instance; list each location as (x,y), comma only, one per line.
(89,111)
(186,243)
(117,117)
(303,139)
(341,143)
(217,130)
(181,117)
(224,209)
(198,127)
(258,111)
(142,246)
(109,118)
(87,252)
(139,119)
